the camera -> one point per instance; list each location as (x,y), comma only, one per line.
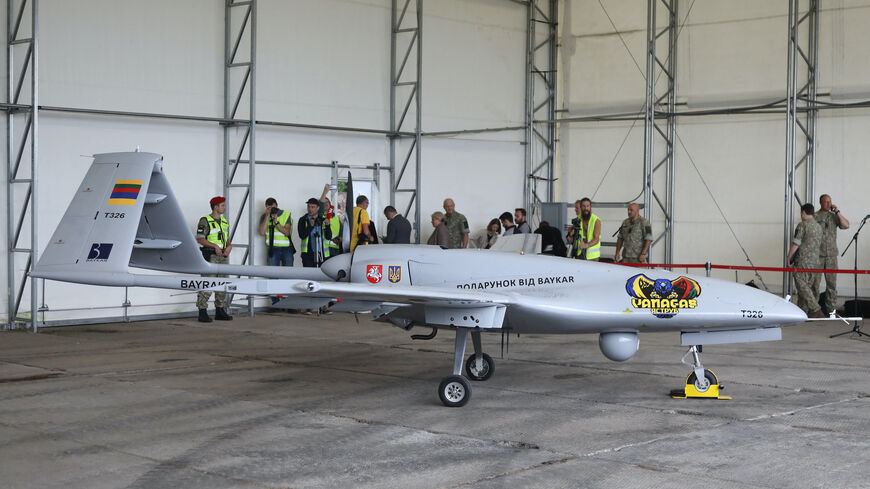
(274,211)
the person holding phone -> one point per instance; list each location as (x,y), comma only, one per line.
(830,218)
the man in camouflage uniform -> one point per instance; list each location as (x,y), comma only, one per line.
(212,234)
(456,224)
(807,242)
(635,234)
(830,219)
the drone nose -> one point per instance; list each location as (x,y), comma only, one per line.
(337,267)
(786,313)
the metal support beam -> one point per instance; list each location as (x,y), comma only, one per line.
(240,79)
(801,118)
(22,129)
(658,167)
(406,38)
(540,103)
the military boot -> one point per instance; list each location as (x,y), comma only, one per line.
(221,314)
(203,316)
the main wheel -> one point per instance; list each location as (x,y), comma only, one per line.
(486,370)
(454,391)
(702,386)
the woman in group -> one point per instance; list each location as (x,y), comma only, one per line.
(485,238)
(440,236)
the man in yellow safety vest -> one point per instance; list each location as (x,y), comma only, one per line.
(277,226)
(585,232)
(213,236)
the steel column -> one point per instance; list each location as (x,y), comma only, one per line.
(240,74)
(801,118)
(540,103)
(660,98)
(405,40)
(21,212)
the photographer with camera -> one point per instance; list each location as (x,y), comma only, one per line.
(315,232)
(277,226)
(585,232)
(212,234)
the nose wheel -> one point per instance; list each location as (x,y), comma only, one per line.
(702,382)
(454,391)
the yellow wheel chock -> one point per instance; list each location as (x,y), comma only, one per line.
(708,389)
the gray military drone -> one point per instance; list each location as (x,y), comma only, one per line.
(125,215)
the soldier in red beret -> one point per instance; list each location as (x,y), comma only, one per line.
(213,236)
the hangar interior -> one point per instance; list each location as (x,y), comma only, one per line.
(718,116)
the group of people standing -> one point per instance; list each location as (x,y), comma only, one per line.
(320,230)
(583,237)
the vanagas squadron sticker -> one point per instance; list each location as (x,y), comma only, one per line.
(664,298)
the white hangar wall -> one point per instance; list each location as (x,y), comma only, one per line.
(729,54)
(323,62)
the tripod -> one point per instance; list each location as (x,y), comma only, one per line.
(856,328)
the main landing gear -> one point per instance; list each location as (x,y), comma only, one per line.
(701,383)
(455,390)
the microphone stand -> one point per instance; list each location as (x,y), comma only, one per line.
(856,328)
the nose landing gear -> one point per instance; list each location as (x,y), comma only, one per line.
(701,383)
(455,390)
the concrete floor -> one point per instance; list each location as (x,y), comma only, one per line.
(297,401)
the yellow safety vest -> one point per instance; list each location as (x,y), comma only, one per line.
(594,251)
(218,233)
(335,227)
(280,238)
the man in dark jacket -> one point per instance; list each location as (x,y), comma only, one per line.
(315,233)
(398,228)
(551,240)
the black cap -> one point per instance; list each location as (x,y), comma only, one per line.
(314,201)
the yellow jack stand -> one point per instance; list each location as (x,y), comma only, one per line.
(691,391)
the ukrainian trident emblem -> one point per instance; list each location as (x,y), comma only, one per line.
(394,274)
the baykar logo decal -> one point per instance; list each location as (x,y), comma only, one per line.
(100,251)
(664,298)
(394,274)
(374,273)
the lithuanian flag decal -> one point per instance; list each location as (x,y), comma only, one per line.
(125,192)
